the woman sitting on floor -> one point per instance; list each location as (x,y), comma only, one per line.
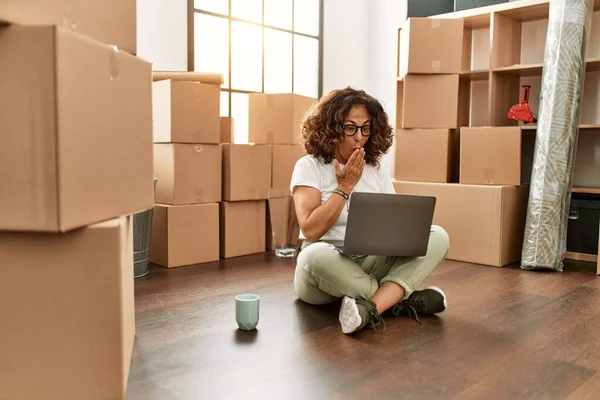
(345,135)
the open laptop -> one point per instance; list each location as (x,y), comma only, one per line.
(388,224)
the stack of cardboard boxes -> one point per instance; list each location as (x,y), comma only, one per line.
(188,168)
(216,198)
(275,119)
(75,164)
(477,174)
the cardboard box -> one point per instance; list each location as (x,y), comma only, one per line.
(276,118)
(428,101)
(282,224)
(227,130)
(243,228)
(426,155)
(485,223)
(496,155)
(68,317)
(76,130)
(185,235)
(188,173)
(246,172)
(284,161)
(430,46)
(110,21)
(186,112)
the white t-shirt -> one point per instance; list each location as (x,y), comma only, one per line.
(313,172)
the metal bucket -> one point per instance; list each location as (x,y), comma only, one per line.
(142,231)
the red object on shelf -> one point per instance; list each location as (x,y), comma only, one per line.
(521,112)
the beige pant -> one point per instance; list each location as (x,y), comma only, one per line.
(324,275)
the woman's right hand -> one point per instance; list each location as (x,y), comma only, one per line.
(350,175)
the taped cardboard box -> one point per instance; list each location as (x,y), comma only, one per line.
(246,172)
(430,46)
(427,155)
(186,112)
(496,155)
(243,228)
(427,101)
(76,130)
(112,22)
(185,235)
(188,173)
(283,229)
(485,223)
(284,161)
(276,118)
(68,320)
(227,130)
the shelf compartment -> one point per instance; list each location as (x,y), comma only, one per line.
(477,75)
(586,190)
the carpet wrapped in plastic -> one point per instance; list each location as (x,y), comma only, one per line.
(544,243)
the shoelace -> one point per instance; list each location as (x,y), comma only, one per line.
(373,316)
(409,308)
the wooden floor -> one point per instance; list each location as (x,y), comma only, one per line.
(507,334)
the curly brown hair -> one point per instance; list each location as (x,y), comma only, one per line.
(322,126)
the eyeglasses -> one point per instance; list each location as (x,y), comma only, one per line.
(350,130)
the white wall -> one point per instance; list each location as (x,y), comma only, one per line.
(360,49)
(162,33)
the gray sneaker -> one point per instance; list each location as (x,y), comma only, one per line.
(355,314)
(431,300)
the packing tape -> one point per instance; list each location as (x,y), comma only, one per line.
(488,176)
(199,195)
(198,92)
(69,15)
(270,137)
(436,66)
(270,101)
(436,22)
(197,135)
(114,62)
(252,193)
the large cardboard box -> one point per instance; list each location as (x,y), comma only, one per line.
(68,317)
(426,155)
(430,46)
(428,101)
(485,223)
(243,228)
(284,161)
(188,173)
(496,155)
(112,22)
(185,235)
(75,131)
(186,112)
(246,172)
(276,118)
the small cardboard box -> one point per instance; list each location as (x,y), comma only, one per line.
(276,118)
(496,155)
(68,320)
(111,22)
(428,101)
(75,131)
(185,235)
(246,172)
(430,46)
(284,161)
(485,223)
(186,112)
(426,155)
(188,173)
(227,130)
(243,228)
